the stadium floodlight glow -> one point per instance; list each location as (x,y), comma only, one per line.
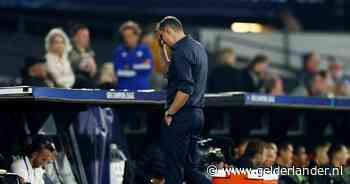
(243,27)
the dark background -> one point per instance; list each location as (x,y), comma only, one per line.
(24,23)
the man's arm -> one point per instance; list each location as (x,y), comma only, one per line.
(185,86)
(179,101)
(19,168)
(183,68)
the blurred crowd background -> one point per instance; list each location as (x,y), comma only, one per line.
(273,47)
(276,47)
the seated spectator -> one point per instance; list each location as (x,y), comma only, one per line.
(285,155)
(34,72)
(107,78)
(318,86)
(300,158)
(253,77)
(274,86)
(29,166)
(224,77)
(311,62)
(58,66)
(335,69)
(82,58)
(271,154)
(132,60)
(342,88)
(254,156)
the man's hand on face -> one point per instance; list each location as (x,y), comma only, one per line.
(167,118)
(164,54)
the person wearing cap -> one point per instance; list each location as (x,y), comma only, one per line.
(29,166)
(34,72)
(184,118)
(132,60)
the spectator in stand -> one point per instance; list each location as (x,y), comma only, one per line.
(82,58)
(285,155)
(254,155)
(59,68)
(132,60)
(311,62)
(342,88)
(300,157)
(318,85)
(107,78)
(253,77)
(335,69)
(34,72)
(224,77)
(338,78)
(274,86)
(271,154)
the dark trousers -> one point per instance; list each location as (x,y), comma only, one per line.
(179,144)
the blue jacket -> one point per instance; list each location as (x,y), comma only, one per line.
(133,67)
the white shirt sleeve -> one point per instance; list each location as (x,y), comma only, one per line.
(19,167)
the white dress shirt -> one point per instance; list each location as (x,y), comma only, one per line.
(60,70)
(23,168)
